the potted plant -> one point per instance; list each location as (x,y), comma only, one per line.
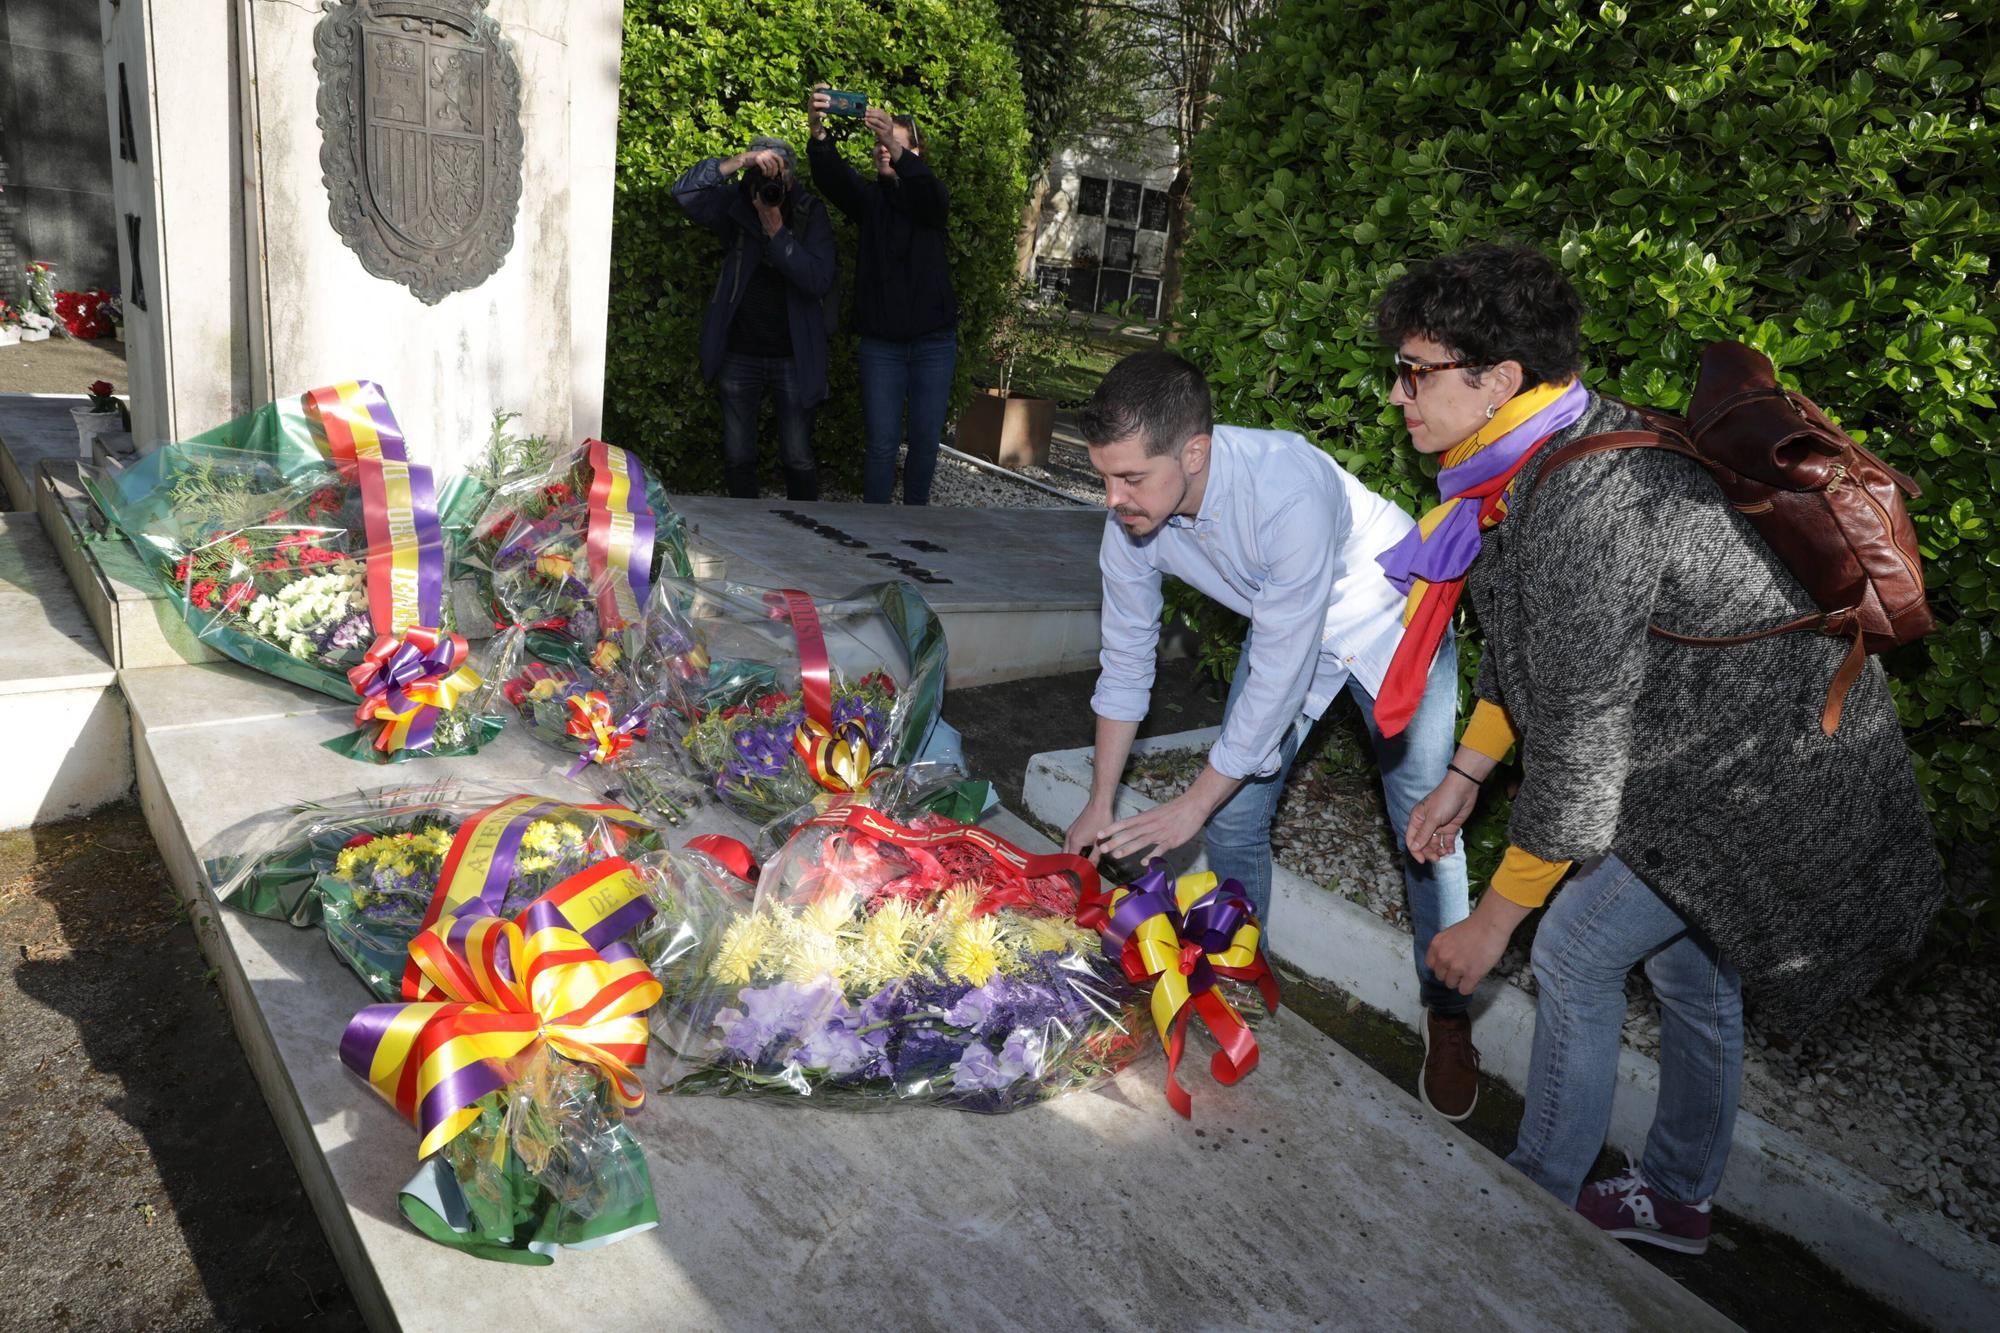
(10,324)
(104,418)
(1013,430)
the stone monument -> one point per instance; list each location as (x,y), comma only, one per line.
(416,192)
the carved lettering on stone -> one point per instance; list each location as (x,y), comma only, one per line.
(420,117)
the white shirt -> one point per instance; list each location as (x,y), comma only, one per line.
(1286,537)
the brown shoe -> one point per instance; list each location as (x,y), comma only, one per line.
(1449,1081)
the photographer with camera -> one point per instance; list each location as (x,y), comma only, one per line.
(765,330)
(904,308)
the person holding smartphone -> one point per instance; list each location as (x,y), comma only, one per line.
(904,308)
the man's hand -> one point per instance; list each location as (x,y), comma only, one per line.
(816,108)
(1155,832)
(1461,955)
(1086,829)
(877,120)
(1435,823)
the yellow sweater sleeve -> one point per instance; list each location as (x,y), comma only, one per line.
(1490,731)
(1526,879)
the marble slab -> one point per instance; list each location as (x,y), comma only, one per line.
(1313,1192)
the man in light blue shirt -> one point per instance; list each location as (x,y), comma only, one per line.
(1271,527)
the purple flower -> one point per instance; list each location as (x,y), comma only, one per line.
(923,1052)
(1020,1057)
(841,1049)
(856,708)
(773,1013)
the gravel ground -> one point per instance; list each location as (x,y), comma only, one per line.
(61,365)
(1903,1085)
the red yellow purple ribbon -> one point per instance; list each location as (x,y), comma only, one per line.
(838,756)
(489,990)
(1018,866)
(605,735)
(1181,938)
(619,542)
(405,563)
(479,867)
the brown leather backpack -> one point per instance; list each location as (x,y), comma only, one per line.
(1830,509)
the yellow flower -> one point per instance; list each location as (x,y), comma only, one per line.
(956,905)
(811,950)
(888,946)
(831,914)
(543,689)
(606,655)
(553,566)
(975,952)
(743,946)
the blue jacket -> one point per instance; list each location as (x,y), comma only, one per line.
(802,250)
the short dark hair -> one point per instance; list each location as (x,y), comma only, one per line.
(1156,395)
(1488,304)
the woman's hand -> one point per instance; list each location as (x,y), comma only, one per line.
(877,120)
(1435,823)
(816,108)
(1460,956)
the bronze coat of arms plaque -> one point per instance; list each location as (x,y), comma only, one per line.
(420,118)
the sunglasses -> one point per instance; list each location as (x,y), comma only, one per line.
(1407,373)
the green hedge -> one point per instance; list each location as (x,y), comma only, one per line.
(698,79)
(1820,180)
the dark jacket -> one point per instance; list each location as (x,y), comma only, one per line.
(902,275)
(1807,859)
(802,250)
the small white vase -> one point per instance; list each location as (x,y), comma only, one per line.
(34,335)
(90,426)
(10,335)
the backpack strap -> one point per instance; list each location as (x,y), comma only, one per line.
(1609,440)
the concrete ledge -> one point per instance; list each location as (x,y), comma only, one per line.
(1314,1177)
(37,426)
(1914,1260)
(137,621)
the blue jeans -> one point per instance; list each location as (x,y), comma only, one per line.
(745,382)
(1412,763)
(1602,924)
(916,373)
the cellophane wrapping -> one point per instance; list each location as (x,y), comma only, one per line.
(548,1165)
(366,868)
(742,707)
(867,972)
(565,552)
(261,538)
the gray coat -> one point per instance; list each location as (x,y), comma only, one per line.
(1808,861)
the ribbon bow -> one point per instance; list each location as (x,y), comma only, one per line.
(839,758)
(590,721)
(1181,938)
(489,990)
(404,683)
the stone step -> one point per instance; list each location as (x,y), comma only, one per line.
(1017,590)
(34,426)
(1312,1186)
(68,738)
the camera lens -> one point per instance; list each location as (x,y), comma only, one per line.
(771,192)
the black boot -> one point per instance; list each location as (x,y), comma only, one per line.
(741,480)
(802,483)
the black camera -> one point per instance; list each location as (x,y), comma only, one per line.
(767,190)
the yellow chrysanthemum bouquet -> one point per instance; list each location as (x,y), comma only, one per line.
(885,963)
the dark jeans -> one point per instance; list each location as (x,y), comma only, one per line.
(745,381)
(917,373)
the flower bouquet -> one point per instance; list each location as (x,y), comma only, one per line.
(517,1055)
(85,315)
(376,869)
(781,700)
(302,541)
(566,550)
(880,963)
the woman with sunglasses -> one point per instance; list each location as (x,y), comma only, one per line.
(1719,836)
(904,308)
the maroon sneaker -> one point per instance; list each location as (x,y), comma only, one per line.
(1627,1208)
(1449,1081)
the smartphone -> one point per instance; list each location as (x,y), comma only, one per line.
(845,104)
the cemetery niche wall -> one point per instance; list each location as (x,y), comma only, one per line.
(420,109)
